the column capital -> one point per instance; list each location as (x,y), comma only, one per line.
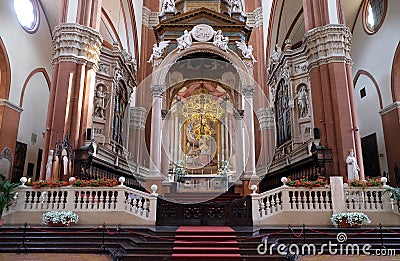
(266,118)
(327,44)
(157,90)
(76,43)
(138,118)
(248,91)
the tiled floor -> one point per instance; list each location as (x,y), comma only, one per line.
(52,257)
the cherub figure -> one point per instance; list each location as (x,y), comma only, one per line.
(168,6)
(184,41)
(158,51)
(247,50)
(221,41)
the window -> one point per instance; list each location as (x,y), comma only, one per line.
(373,15)
(27,12)
(363,93)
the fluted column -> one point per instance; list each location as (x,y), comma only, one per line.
(250,167)
(155,144)
(239,145)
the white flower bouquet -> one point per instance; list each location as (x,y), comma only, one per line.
(351,218)
(60,217)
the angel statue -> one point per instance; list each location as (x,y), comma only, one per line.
(184,41)
(247,50)
(221,41)
(168,6)
(158,51)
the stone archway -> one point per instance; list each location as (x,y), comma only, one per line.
(246,88)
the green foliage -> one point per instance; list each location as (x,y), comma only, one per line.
(394,193)
(7,193)
(180,172)
(368,182)
(305,182)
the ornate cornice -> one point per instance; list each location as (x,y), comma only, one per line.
(387,109)
(265,118)
(255,18)
(328,44)
(138,118)
(76,43)
(157,90)
(149,19)
(12,106)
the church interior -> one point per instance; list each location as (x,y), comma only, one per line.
(200,116)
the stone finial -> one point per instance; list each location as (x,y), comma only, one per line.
(121,180)
(154,188)
(254,189)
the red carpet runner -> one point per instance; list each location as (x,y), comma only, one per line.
(205,243)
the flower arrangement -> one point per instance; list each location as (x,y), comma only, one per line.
(305,182)
(49,184)
(103,182)
(224,168)
(64,218)
(368,182)
(180,172)
(351,218)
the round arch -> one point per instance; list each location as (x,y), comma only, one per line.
(37,70)
(176,88)
(395,78)
(5,72)
(245,72)
(367,74)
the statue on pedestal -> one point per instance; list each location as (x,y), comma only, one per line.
(168,6)
(352,166)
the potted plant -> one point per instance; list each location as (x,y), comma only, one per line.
(394,193)
(180,172)
(59,218)
(7,195)
(350,219)
(368,182)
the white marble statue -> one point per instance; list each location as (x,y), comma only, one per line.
(352,166)
(303,102)
(168,6)
(184,41)
(49,164)
(221,41)
(158,51)
(236,6)
(100,102)
(247,50)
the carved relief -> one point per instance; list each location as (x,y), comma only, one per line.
(202,33)
(327,44)
(76,43)
(111,98)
